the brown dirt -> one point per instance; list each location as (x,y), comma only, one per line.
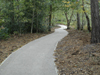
(76,56)
(16,41)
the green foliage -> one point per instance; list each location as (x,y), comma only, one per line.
(59,18)
(44,28)
(22,15)
(15,33)
(19,15)
(1,22)
(4,33)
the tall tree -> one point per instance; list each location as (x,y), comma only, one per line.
(32,17)
(68,6)
(82,16)
(82,21)
(78,18)
(69,19)
(87,17)
(50,15)
(78,21)
(95,35)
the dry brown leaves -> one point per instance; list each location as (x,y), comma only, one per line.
(76,56)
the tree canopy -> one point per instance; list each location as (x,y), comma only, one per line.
(24,16)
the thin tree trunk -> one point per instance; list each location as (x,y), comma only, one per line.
(18,10)
(32,22)
(32,19)
(67,21)
(82,16)
(87,18)
(82,21)
(18,18)
(78,21)
(11,16)
(37,24)
(50,17)
(88,22)
(12,13)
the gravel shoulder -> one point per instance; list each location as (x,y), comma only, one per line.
(75,55)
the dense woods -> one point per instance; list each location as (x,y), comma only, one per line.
(24,16)
(36,16)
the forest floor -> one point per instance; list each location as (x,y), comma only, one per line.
(76,56)
(15,42)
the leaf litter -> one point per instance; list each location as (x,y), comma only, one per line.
(75,55)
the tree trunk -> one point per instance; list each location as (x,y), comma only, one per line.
(12,13)
(32,22)
(37,24)
(50,17)
(88,22)
(69,20)
(78,21)
(87,18)
(95,34)
(68,24)
(18,19)
(82,21)
(82,16)
(11,16)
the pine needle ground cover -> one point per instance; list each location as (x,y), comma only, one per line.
(76,56)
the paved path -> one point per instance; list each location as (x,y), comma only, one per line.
(35,58)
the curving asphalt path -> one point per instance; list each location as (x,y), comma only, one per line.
(35,58)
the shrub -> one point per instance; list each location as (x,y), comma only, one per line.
(43,29)
(4,33)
